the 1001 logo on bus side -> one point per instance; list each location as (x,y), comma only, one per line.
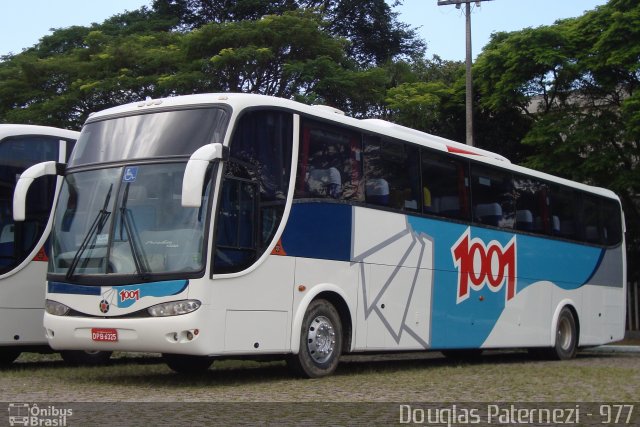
(481,264)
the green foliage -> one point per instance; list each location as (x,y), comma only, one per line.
(424,95)
(309,50)
(276,55)
(419,104)
(577,82)
(79,70)
(374,34)
(59,84)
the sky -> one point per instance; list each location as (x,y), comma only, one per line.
(24,22)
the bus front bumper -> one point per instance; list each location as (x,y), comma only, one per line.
(183,334)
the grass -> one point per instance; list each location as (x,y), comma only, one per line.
(628,341)
(416,377)
(365,390)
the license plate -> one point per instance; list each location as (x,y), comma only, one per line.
(102,334)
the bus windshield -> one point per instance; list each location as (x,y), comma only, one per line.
(126,219)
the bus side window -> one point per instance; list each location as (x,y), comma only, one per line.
(532,205)
(492,195)
(445,185)
(610,221)
(329,163)
(254,190)
(589,227)
(391,174)
(563,208)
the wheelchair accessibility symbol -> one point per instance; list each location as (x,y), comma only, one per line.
(130,174)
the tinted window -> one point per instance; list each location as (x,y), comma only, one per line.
(532,205)
(168,133)
(589,230)
(445,185)
(564,207)
(255,187)
(127,221)
(492,196)
(329,163)
(18,240)
(611,221)
(392,174)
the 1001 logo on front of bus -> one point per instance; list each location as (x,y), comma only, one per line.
(483,264)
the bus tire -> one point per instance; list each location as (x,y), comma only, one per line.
(187,364)
(566,342)
(86,357)
(8,356)
(320,341)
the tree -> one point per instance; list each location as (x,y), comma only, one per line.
(427,97)
(192,14)
(79,70)
(374,33)
(61,81)
(276,55)
(376,36)
(577,83)
(419,105)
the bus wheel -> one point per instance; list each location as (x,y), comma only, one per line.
(8,355)
(187,364)
(86,357)
(566,345)
(320,341)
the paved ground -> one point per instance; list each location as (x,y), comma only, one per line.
(366,390)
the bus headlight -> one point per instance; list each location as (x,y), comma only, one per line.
(174,308)
(56,308)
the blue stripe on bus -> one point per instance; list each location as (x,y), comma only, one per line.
(323,231)
(153,289)
(67,288)
(467,324)
(319,230)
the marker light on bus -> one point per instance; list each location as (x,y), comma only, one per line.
(174,308)
(55,308)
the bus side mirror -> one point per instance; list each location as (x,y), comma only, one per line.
(24,182)
(194,173)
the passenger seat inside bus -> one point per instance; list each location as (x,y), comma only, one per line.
(325,183)
(524,220)
(488,213)
(377,191)
(448,206)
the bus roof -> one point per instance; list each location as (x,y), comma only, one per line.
(240,101)
(14,130)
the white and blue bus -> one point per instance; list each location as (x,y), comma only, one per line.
(235,225)
(24,244)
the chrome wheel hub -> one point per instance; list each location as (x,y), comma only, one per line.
(321,339)
(564,334)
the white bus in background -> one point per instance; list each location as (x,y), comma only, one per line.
(23,245)
(226,225)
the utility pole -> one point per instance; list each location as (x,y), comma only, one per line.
(469,80)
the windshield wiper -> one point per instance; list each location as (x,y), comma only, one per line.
(127,222)
(96,228)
